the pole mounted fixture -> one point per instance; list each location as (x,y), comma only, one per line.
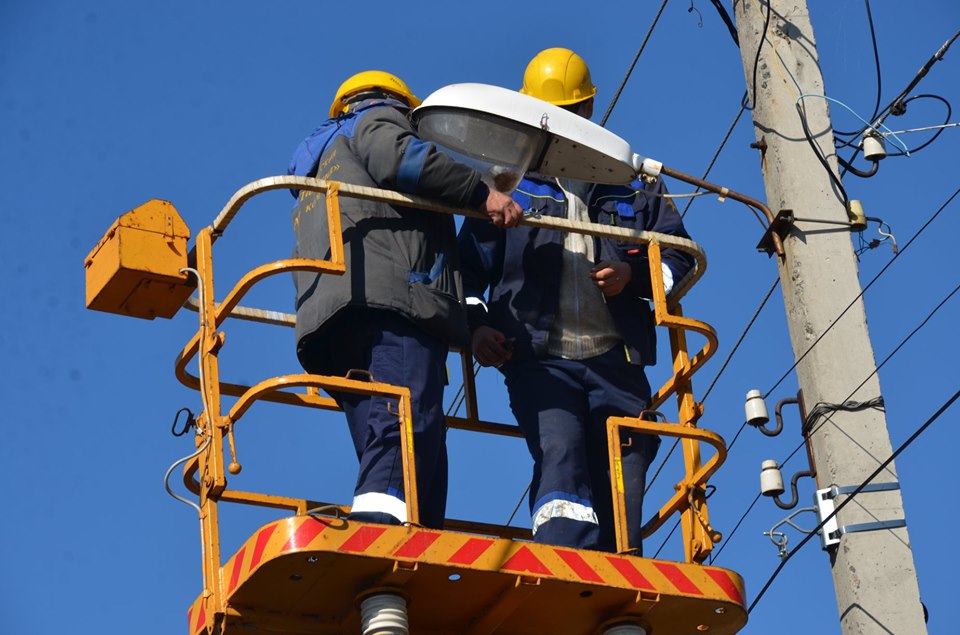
(873,571)
(505,134)
(508,132)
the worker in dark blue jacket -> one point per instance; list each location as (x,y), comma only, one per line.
(567,321)
(398,308)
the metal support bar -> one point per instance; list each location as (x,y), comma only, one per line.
(858,527)
(831,531)
(836,490)
(776,232)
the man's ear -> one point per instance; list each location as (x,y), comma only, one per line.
(586,109)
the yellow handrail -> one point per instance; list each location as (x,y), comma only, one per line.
(206,343)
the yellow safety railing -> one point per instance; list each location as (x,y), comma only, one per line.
(205,474)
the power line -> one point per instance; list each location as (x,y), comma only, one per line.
(853,494)
(895,106)
(859,295)
(871,403)
(651,481)
(616,96)
(898,105)
(461,395)
(756,60)
(719,149)
(883,362)
(801,112)
(663,462)
(946,123)
(925,128)
(876,59)
(665,540)
(753,319)
(727,20)
(735,528)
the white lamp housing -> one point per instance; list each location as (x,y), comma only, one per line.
(507,134)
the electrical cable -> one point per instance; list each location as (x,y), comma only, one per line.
(936,134)
(823,409)
(736,436)
(454,407)
(204,328)
(699,15)
(694,194)
(753,319)
(852,495)
(735,528)
(719,149)
(461,393)
(862,383)
(208,435)
(613,102)
(881,364)
(847,404)
(166,477)
(876,59)
(727,20)
(860,295)
(876,242)
(925,128)
(866,124)
(720,372)
(519,502)
(665,540)
(822,159)
(897,105)
(847,167)
(756,60)
(651,481)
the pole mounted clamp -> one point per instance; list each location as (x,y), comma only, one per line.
(831,531)
(780,225)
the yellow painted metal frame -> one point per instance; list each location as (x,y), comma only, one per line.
(206,473)
(689,499)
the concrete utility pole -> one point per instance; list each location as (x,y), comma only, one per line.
(873,570)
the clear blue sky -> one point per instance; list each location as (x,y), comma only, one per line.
(104,105)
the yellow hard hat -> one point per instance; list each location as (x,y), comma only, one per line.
(368,80)
(559,76)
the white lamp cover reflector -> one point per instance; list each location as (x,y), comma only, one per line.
(575,147)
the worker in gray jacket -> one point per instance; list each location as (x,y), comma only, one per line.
(398,308)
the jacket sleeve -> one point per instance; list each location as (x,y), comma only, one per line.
(481,247)
(661,217)
(397,159)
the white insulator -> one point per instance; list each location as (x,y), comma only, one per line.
(625,629)
(771,480)
(755,409)
(384,614)
(873,149)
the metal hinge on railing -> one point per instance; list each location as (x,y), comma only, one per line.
(832,530)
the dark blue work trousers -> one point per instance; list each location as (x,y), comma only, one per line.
(562,407)
(393,350)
